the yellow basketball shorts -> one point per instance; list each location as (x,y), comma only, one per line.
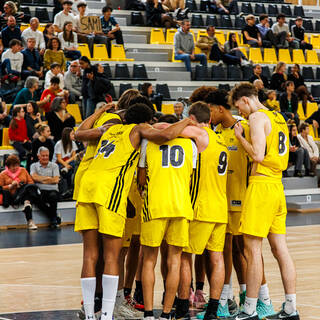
(90,216)
(206,235)
(174,230)
(132,227)
(233,225)
(264,209)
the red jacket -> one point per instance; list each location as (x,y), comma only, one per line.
(19,134)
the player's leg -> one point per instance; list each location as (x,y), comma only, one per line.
(138,292)
(163,265)
(199,267)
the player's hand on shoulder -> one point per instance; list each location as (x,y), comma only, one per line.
(238,130)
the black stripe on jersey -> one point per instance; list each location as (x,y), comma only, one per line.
(146,214)
(115,190)
(196,183)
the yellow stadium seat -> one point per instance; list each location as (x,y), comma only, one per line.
(5,139)
(244,51)
(170,36)
(24,26)
(74,110)
(220,37)
(8,107)
(173,58)
(312,57)
(194,36)
(284,56)
(306,38)
(301,112)
(118,53)
(311,108)
(255,55)
(197,50)
(241,41)
(100,52)
(157,36)
(84,49)
(315,41)
(298,56)
(167,108)
(270,56)
(201,33)
(42,26)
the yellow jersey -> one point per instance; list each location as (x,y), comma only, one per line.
(209,183)
(109,177)
(238,166)
(91,148)
(277,147)
(169,169)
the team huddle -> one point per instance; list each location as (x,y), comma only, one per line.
(189,190)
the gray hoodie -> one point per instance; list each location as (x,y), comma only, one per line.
(183,41)
(72,83)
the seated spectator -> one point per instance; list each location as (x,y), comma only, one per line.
(134,5)
(17,188)
(251,33)
(279,77)
(85,65)
(157,15)
(268,38)
(4,117)
(48,33)
(107,22)
(32,64)
(10,9)
(297,154)
(63,16)
(281,31)
(147,91)
(54,54)
(178,110)
(73,81)
(12,61)
(10,32)
(43,140)
(184,46)
(55,71)
(289,103)
(69,41)
(272,103)
(261,91)
(173,5)
(33,119)
(33,32)
(307,142)
(46,176)
(257,74)
(231,47)
(18,134)
(216,6)
(297,32)
(58,118)
(27,93)
(65,155)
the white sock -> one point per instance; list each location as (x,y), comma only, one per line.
(119,296)
(243,287)
(264,294)
(88,286)
(290,305)
(230,295)
(250,305)
(224,295)
(109,287)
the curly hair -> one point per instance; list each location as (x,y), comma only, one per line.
(201,93)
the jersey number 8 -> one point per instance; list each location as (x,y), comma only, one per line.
(282,144)
(172,154)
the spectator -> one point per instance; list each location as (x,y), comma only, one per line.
(10,9)
(54,54)
(73,81)
(173,5)
(4,117)
(216,6)
(65,155)
(46,176)
(17,188)
(268,38)
(85,65)
(157,15)
(281,31)
(257,74)
(279,77)
(297,32)
(231,47)
(43,140)
(251,34)
(32,64)
(147,91)
(28,93)
(272,103)
(178,110)
(69,42)
(55,71)
(48,33)
(1,46)
(12,60)
(297,154)
(33,32)
(261,91)
(289,102)
(63,16)
(18,133)
(11,31)
(307,142)
(184,46)
(33,119)
(58,118)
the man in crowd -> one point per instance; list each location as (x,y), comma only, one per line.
(268,38)
(11,31)
(297,32)
(251,33)
(12,60)
(260,88)
(32,64)
(63,16)
(73,81)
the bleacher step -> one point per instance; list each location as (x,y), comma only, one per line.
(163,76)
(303,183)
(134,38)
(148,56)
(304,207)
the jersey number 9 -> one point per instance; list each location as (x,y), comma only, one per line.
(173,155)
(223,162)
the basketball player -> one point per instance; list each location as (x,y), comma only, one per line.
(102,200)
(264,208)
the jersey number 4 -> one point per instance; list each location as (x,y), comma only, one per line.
(107,148)
(173,155)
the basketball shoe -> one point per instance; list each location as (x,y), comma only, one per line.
(282,315)
(264,310)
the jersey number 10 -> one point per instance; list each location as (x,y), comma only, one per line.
(173,155)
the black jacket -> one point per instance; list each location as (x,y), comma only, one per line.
(284,103)
(154,14)
(277,82)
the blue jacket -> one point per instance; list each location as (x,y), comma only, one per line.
(107,25)
(8,34)
(31,59)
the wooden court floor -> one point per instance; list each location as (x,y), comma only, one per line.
(47,278)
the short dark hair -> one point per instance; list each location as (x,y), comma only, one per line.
(12,160)
(288,83)
(219,98)
(49,46)
(14,42)
(106,9)
(243,89)
(209,27)
(142,100)
(55,80)
(201,93)
(54,65)
(184,21)
(200,111)
(138,113)
(303,126)
(280,15)
(263,16)
(67,2)
(81,4)
(168,118)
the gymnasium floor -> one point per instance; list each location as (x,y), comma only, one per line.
(39,273)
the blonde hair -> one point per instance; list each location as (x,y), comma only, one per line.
(12,6)
(278,67)
(126,97)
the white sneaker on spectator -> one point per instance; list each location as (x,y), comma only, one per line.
(125,310)
(31,225)
(245,62)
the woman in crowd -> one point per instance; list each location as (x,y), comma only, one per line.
(257,74)
(279,77)
(33,119)
(147,91)
(17,188)
(48,33)
(53,54)
(289,103)
(231,47)
(69,41)
(58,118)
(18,133)
(10,9)
(157,15)
(44,140)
